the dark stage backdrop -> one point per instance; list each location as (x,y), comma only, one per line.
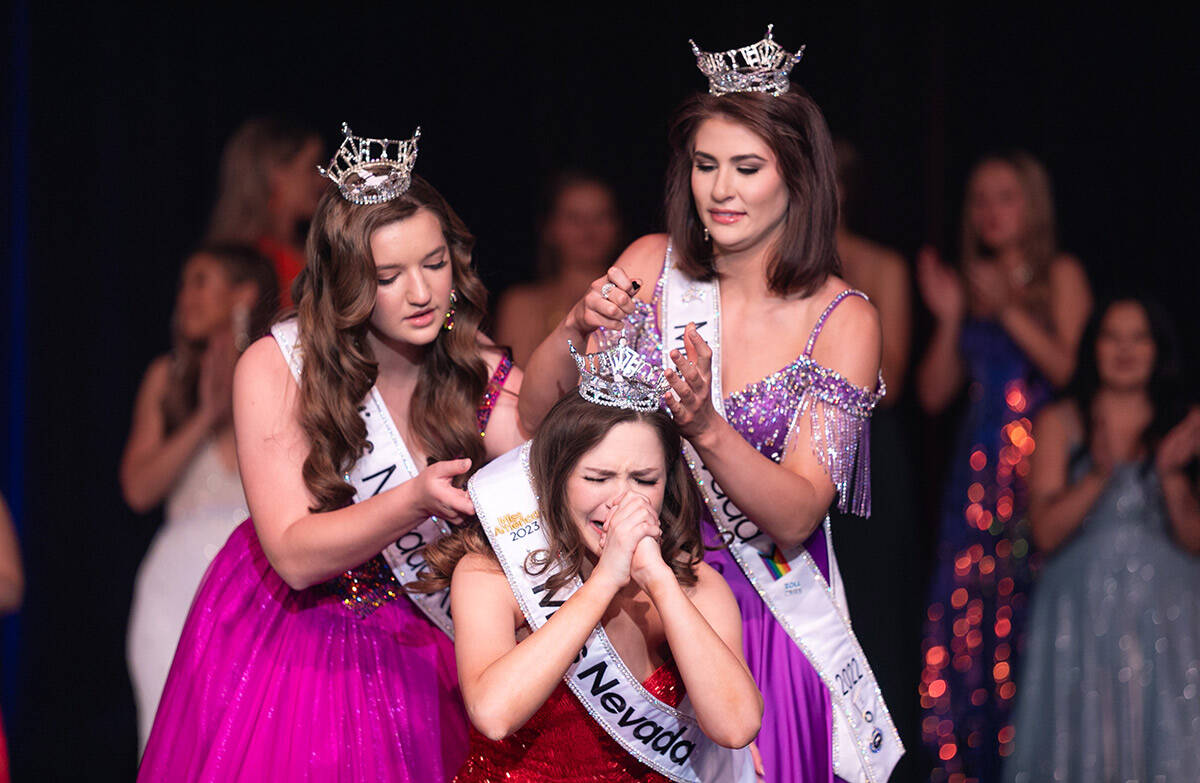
(130,109)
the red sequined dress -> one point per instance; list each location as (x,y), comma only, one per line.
(562,743)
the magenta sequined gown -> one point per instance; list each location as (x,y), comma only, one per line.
(796,737)
(345,681)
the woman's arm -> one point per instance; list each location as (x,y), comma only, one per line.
(704,632)
(504,683)
(1056,507)
(893,301)
(1053,351)
(1180,446)
(940,374)
(308,548)
(787,500)
(551,367)
(152,460)
(12,576)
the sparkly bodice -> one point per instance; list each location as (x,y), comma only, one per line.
(765,413)
(562,743)
(364,589)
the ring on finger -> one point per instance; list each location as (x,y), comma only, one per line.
(606,289)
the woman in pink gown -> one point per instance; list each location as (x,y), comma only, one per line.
(303,658)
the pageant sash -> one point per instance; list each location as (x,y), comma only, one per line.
(866,746)
(666,739)
(385,465)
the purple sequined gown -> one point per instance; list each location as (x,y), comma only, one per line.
(796,737)
(345,681)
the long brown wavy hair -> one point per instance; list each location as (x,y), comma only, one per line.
(572,428)
(793,127)
(335,295)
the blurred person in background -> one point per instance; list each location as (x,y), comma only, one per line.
(579,238)
(1111,672)
(268,189)
(878,557)
(1007,327)
(12,591)
(181,449)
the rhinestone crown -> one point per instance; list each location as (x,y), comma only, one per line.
(371,171)
(620,378)
(760,67)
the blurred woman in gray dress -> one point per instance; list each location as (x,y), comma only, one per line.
(1110,685)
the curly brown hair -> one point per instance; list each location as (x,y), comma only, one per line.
(335,295)
(572,428)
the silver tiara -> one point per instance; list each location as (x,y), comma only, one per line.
(371,171)
(760,67)
(620,378)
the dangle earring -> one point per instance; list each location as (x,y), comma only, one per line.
(241,327)
(707,236)
(449,323)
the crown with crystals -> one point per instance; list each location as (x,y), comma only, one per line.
(371,171)
(620,378)
(760,67)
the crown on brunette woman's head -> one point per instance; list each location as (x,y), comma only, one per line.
(371,171)
(761,67)
(619,378)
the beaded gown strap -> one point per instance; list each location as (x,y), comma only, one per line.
(816,330)
(492,392)
(839,415)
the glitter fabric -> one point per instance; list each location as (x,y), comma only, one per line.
(364,589)
(492,392)
(1112,650)
(562,743)
(976,612)
(796,739)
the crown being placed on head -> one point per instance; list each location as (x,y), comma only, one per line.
(620,378)
(760,67)
(371,171)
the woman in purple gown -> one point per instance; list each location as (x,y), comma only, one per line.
(302,657)
(749,267)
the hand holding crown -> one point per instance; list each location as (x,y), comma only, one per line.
(691,381)
(608,300)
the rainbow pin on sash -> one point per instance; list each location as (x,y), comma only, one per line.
(777,564)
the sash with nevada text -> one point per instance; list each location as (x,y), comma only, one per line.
(385,465)
(666,739)
(866,746)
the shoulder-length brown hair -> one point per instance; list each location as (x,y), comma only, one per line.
(794,128)
(242,264)
(1039,242)
(335,295)
(572,428)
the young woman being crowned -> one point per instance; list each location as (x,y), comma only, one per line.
(593,642)
(302,658)
(773,362)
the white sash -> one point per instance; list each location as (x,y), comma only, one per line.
(666,739)
(866,746)
(385,465)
